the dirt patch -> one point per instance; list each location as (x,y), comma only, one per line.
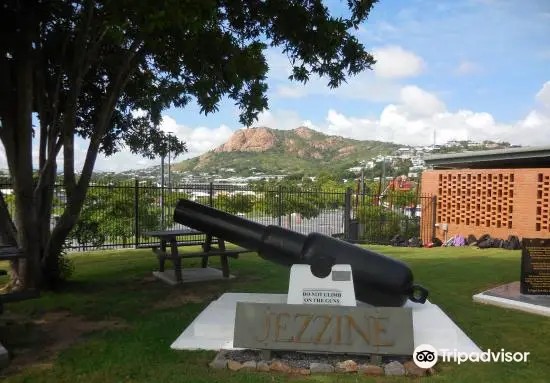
(37,341)
(148,279)
(195,293)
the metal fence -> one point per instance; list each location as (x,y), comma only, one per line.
(380,218)
(116,215)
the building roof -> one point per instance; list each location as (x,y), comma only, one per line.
(523,157)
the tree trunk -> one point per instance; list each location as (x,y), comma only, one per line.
(34,202)
(18,136)
(54,247)
(56,241)
(49,262)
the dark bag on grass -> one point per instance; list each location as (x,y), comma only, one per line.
(513,243)
(436,242)
(498,243)
(471,239)
(415,242)
(483,238)
(397,240)
(486,243)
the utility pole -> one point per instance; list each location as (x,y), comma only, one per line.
(384,171)
(162,190)
(363,184)
(169,169)
(362,178)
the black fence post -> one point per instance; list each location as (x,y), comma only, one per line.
(279,205)
(136,212)
(347,213)
(434,215)
(211,194)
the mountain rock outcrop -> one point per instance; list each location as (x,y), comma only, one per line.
(268,151)
(249,140)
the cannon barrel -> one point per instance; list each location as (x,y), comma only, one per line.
(378,280)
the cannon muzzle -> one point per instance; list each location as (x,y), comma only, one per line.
(378,280)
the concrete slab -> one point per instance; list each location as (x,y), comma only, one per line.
(213,328)
(191,275)
(509,296)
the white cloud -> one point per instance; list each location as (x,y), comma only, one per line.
(418,102)
(467,67)
(198,141)
(378,85)
(368,85)
(418,113)
(543,96)
(280,119)
(394,62)
(364,87)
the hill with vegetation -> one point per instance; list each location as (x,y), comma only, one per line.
(271,151)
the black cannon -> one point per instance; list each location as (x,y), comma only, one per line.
(378,280)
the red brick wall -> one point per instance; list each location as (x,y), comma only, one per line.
(498,202)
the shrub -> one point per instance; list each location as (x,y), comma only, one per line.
(66,265)
(381,225)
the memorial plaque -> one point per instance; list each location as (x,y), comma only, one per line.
(512,291)
(535,267)
(324,328)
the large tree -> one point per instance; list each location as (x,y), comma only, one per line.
(105,70)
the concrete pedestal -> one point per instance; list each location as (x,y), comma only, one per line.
(213,328)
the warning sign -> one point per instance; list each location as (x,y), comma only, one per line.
(322,297)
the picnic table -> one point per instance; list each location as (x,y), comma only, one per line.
(168,239)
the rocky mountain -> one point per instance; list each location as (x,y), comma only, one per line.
(271,151)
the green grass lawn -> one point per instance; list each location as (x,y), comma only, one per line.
(116,286)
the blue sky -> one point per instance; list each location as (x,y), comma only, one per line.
(504,46)
(477,69)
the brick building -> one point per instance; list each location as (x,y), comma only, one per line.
(495,192)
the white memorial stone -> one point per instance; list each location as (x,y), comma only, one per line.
(336,289)
(213,329)
(431,325)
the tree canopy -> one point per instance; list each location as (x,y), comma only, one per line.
(104,70)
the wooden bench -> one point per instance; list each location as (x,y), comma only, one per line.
(12,253)
(169,238)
